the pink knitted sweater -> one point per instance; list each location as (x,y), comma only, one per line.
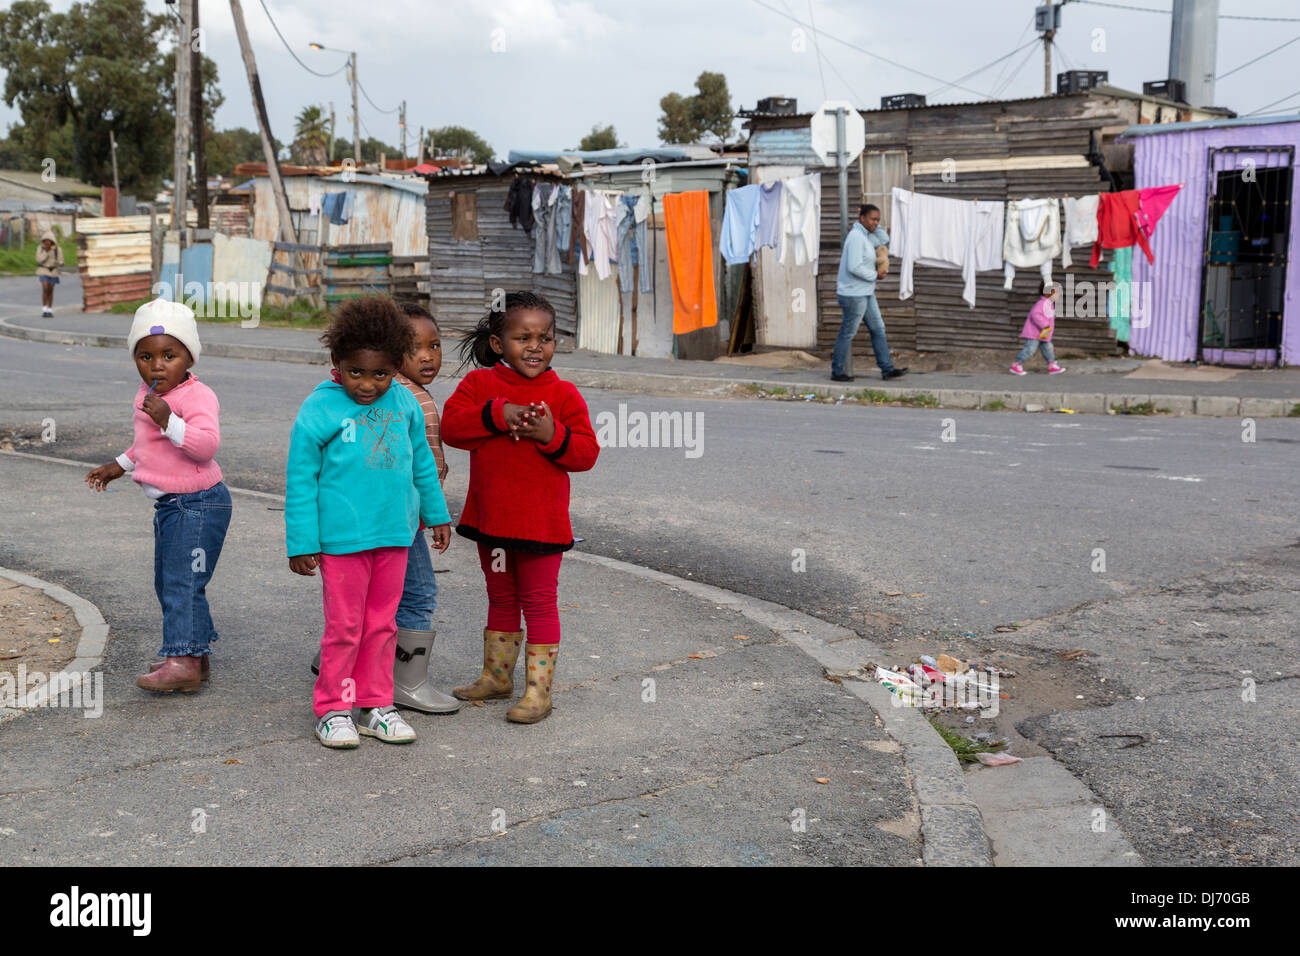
(188,468)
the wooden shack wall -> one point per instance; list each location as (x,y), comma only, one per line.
(463,274)
(936,318)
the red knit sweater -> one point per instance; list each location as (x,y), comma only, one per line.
(518,490)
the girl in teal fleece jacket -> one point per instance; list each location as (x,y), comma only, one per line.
(360,479)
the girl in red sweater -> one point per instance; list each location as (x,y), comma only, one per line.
(525,430)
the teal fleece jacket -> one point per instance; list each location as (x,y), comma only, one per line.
(359,476)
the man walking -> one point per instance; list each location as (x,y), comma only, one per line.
(855,290)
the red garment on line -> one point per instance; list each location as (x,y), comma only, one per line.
(1129,218)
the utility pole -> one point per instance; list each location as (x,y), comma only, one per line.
(1193,43)
(331,154)
(356,116)
(196,98)
(420,147)
(112,144)
(181,151)
(287,233)
(403,124)
(1052,14)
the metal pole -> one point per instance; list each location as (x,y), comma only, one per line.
(842,161)
(331,153)
(356,117)
(403,130)
(1047,62)
(181,152)
(196,99)
(112,144)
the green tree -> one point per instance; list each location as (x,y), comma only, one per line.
(104,64)
(229,147)
(689,119)
(459,142)
(311,137)
(600,138)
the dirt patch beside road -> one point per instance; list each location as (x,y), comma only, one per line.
(35,630)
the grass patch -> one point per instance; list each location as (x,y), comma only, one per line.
(1143,408)
(21,260)
(1295,411)
(873,395)
(128,308)
(962,746)
(919,401)
(997,405)
(752,387)
(779,390)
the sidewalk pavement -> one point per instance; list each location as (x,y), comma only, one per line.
(1089,386)
(672,741)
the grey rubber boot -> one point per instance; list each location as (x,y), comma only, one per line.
(411,686)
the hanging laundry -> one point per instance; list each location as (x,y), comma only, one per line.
(578,245)
(519,203)
(1129,218)
(600,226)
(801,211)
(546,252)
(564,219)
(690,260)
(1121,300)
(739,223)
(313,204)
(337,206)
(1032,238)
(1079,228)
(633,247)
(767,225)
(947,233)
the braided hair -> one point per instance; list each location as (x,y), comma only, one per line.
(476,346)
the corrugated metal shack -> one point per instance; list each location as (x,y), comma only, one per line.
(1000,150)
(1222,287)
(473,249)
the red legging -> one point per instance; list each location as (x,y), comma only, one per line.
(520,580)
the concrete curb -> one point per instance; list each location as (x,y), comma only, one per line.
(951,825)
(657,383)
(90,646)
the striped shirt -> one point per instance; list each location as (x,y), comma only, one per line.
(432,430)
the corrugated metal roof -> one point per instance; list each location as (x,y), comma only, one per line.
(1151,129)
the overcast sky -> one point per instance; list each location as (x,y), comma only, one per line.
(536,74)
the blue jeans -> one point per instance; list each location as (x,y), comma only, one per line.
(633,249)
(420,589)
(855,307)
(1033,345)
(188,532)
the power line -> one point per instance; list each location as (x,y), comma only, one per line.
(1289,96)
(852,46)
(290,49)
(821,58)
(1222,16)
(372,102)
(1258,58)
(818,48)
(1005,56)
(1028,25)
(1065,60)
(1011,77)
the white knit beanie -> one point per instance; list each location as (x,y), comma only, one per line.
(161,317)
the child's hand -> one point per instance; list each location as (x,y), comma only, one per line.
(101,476)
(304,564)
(514,416)
(157,409)
(442,472)
(539,424)
(1045,333)
(442,537)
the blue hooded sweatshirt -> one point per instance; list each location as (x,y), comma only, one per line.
(359,476)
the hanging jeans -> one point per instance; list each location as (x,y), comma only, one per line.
(546,257)
(855,308)
(633,248)
(563,219)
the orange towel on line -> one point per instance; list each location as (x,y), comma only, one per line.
(690,261)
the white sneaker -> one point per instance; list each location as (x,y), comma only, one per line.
(336,729)
(47,313)
(386,724)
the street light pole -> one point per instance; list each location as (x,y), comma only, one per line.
(356,116)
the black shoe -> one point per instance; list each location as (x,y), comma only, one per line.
(895,373)
(841,378)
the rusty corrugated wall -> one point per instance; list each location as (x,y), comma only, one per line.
(380,213)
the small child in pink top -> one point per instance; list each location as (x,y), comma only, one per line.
(176,436)
(1037,333)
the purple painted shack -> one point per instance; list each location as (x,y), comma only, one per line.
(1220,290)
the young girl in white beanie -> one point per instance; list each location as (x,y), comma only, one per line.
(176,436)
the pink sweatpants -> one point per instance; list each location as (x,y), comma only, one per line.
(522,580)
(361,593)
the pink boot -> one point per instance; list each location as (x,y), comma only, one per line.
(177,673)
(204,670)
(1054,369)
(1016,369)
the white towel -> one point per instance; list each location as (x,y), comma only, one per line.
(1080,224)
(947,233)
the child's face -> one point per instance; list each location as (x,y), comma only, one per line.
(47,244)
(425,361)
(163,359)
(365,374)
(527,342)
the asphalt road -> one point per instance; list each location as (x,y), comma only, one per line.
(902,534)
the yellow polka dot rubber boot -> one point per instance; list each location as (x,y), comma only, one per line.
(497,682)
(535,705)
